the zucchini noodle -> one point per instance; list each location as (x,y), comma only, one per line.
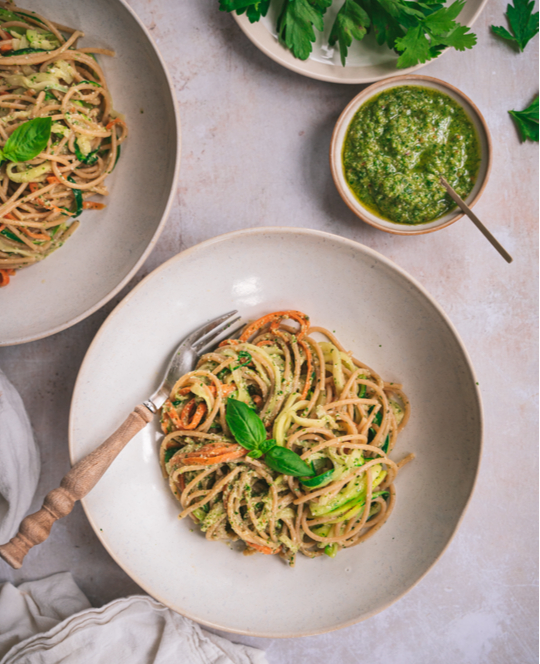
(44,74)
(313,398)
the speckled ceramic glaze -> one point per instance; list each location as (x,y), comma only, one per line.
(110,245)
(340,132)
(388,321)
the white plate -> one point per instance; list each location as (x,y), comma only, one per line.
(108,248)
(366,62)
(390,323)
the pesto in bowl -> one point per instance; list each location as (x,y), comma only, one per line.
(400,143)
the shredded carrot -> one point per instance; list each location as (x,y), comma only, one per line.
(10,216)
(274,319)
(2,226)
(307,384)
(4,277)
(200,410)
(114,122)
(263,549)
(6,47)
(35,235)
(53,179)
(225,389)
(257,400)
(213,453)
(91,205)
(228,342)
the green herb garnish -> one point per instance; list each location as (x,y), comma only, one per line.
(527,121)
(27,141)
(90,159)
(245,358)
(78,198)
(170,453)
(417,31)
(522,22)
(248,430)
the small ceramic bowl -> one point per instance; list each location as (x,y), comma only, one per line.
(340,131)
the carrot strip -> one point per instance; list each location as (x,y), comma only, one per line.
(263,549)
(186,414)
(114,122)
(52,180)
(274,320)
(4,277)
(91,205)
(35,235)
(213,453)
(307,384)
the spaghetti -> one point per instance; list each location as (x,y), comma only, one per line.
(43,74)
(313,398)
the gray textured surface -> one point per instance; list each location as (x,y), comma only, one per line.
(255,143)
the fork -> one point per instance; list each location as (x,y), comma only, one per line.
(87,472)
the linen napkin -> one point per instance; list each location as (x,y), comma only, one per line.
(19,460)
(132,630)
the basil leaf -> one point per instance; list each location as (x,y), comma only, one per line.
(318,480)
(24,51)
(28,140)
(78,198)
(255,454)
(285,461)
(267,445)
(90,158)
(245,424)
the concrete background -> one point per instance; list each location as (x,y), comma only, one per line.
(255,144)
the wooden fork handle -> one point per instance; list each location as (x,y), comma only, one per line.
(81,479)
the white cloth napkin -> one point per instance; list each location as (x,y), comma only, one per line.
(19,461)
(50,621)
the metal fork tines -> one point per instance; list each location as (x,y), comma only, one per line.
(188,352)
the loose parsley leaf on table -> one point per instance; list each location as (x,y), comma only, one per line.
(527,121)
(523,23)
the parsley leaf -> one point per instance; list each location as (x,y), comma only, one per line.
(296,22)
(527,121)
(417,31)
(351,23)
(522,22)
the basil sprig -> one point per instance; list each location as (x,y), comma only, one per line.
(248,430)
(27,141)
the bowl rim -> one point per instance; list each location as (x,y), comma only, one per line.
(77,319)
(227,237)
(336,147)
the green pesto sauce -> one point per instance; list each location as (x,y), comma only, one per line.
(399,144)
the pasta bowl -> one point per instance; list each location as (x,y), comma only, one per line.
(110,245)
(389,322)
(340,132)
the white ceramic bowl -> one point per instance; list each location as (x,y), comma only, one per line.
(109,246)
(380,313)
(367,61)
(340,131)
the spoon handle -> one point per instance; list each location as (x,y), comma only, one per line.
(461,204)
(84,475)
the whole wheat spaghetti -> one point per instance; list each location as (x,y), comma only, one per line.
(44,74)
(315,399)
